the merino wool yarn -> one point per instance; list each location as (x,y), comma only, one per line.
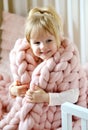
(59,73)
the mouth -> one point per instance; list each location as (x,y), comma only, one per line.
(46,52)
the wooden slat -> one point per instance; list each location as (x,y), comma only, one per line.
(66,121)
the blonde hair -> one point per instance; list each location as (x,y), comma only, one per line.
(44,18)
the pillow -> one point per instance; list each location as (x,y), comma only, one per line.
(12,28)
(4,63)
(5,55)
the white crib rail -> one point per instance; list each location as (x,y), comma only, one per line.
(69,109)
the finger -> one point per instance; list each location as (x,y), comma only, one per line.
(22,90)
(17,83)
(22,87)
(29,92)
(36,88)
(25,86)
(30,100)
(29,97)
(21,95)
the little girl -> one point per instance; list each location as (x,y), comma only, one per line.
(56,75)
(44,33)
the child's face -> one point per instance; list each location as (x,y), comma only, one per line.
(43,45)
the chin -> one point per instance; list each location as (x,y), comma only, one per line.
(46,58)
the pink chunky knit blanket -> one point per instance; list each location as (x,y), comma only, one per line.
(59,73)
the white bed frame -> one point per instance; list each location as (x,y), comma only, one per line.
(69,109)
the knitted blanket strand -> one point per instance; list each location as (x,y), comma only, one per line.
(59,73)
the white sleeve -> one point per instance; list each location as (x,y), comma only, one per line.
(66,96)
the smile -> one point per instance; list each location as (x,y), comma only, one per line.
(46,52)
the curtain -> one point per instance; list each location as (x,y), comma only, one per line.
(1,5)
(73,13)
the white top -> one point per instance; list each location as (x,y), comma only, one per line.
(66,96)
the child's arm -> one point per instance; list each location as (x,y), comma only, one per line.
(52,99)
(66,96)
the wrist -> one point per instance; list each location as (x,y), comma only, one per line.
(46,97)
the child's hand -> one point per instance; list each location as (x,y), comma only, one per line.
(17,89)
(37,96)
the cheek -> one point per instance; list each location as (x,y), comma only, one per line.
(33,48)
(35,51)
(54,48)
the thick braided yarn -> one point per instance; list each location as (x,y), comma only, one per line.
(5,105)
(22,62)
(59,73)
(85,66)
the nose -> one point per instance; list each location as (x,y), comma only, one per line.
(42,45)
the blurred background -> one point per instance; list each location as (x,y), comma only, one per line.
(72,12)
